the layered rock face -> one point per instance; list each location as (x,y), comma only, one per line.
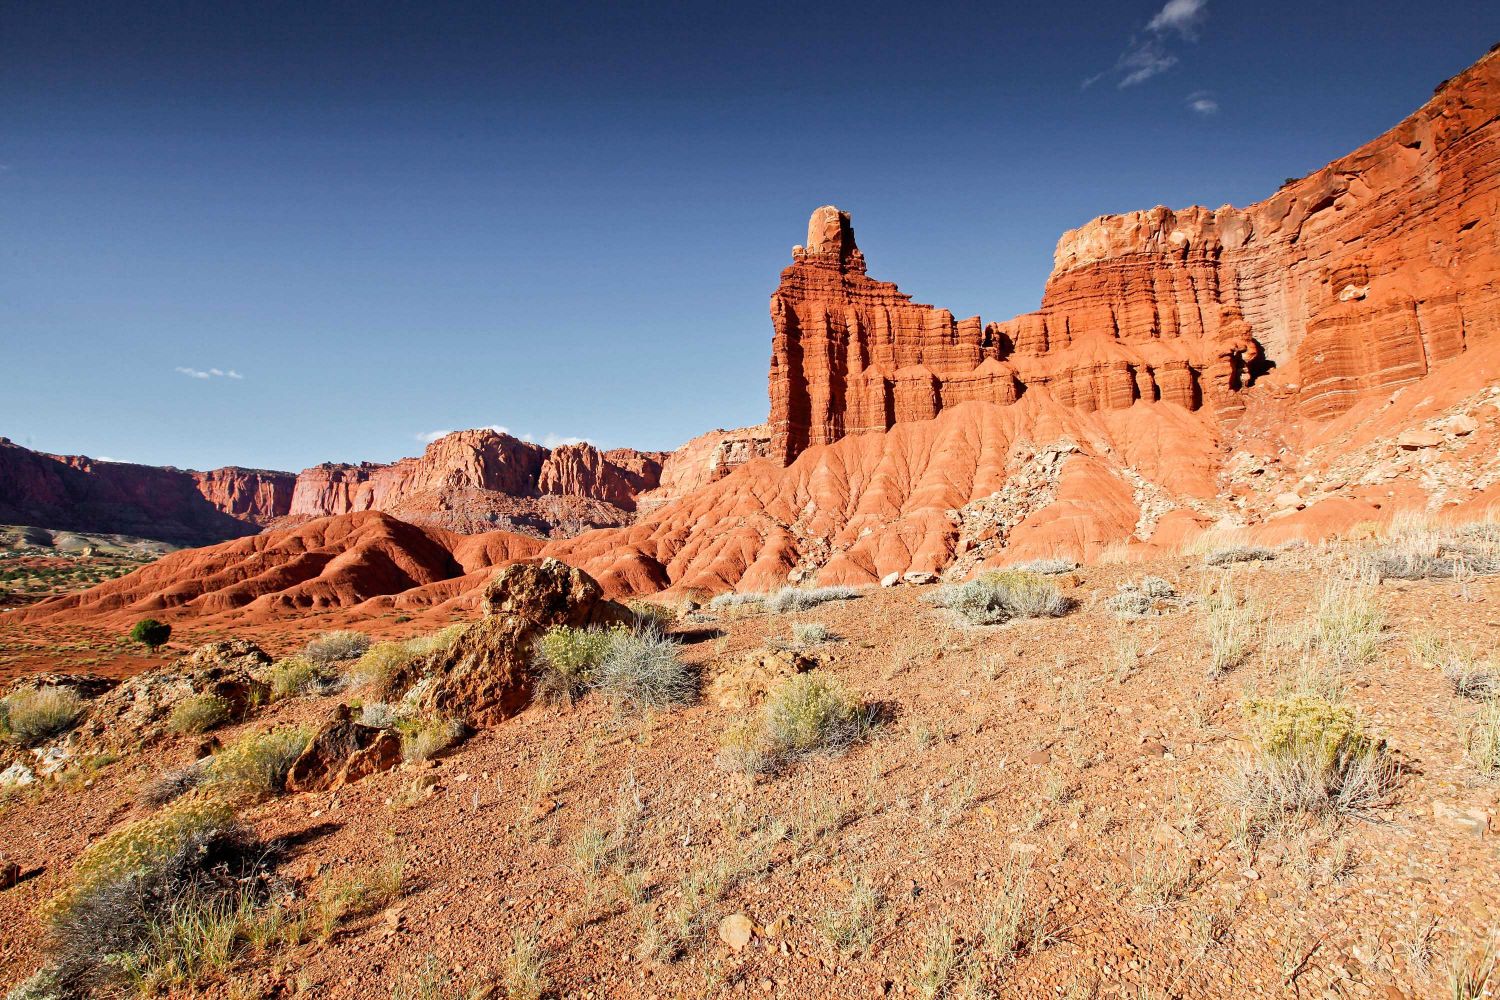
(79,494)
(468,481)
(483,480)
(1350,281)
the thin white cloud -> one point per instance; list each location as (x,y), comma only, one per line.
(1150,54)
(1181,16)
(208,372)
(554,440)
(1203,102)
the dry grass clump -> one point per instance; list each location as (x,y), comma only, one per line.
(644,670)
(1483,740)
(298,675)
(1347,624)
(725,602)
(340,898)
(1046,567)
(1238,554)
(800,599)
(999,597)
(198,714)
(256,765)
(337,647)
(1309,757)
(1152,595)
(34,715)
(566,658)
(806,714)
(1416,547)
(424,739)
(811,633)
(381,665)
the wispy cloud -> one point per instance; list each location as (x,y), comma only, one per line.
(1181,16)
(209,372)
(1150,53)
(1203,102)
(554,440)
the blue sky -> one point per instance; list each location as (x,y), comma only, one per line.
(566,219)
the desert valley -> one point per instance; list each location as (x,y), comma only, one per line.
(1143,645)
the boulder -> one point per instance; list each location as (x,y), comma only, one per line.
(485,676)
(1416,438)
(342,752)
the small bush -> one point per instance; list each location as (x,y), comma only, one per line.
(257,765)
(724,602)
(150,633)
(1310,756)
(380,665)
(1231,624)
(198,714)
(807,714)
(996,598)
(811,633)
(434,642)
(34,715)
(644,669)
(427,738)
(799,599)
(174,784)
(337,647)
(297,675)
(1238,554)
(159,903)
(1346,624)
(144,845)
(566,659)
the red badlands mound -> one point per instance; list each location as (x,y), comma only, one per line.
(335,562)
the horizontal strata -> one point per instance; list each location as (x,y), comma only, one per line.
(1349,281)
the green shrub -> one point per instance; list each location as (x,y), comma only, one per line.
(806,714)
(142,845)
(380,666)
(297,675)
(150,632)
(199,714)
(999,597)
(1238,554)
(1309,756)
(566,659)
(337,647)
(257,765)
(424,739)
(34,715)
(644,669)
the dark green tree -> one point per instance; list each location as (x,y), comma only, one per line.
(150,632)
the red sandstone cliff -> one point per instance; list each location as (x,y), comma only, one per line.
(1352,280)
(80,494)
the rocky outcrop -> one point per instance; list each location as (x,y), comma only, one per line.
(484,676)
(341,752)
(706,459)
(1349,281)
(615,477)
